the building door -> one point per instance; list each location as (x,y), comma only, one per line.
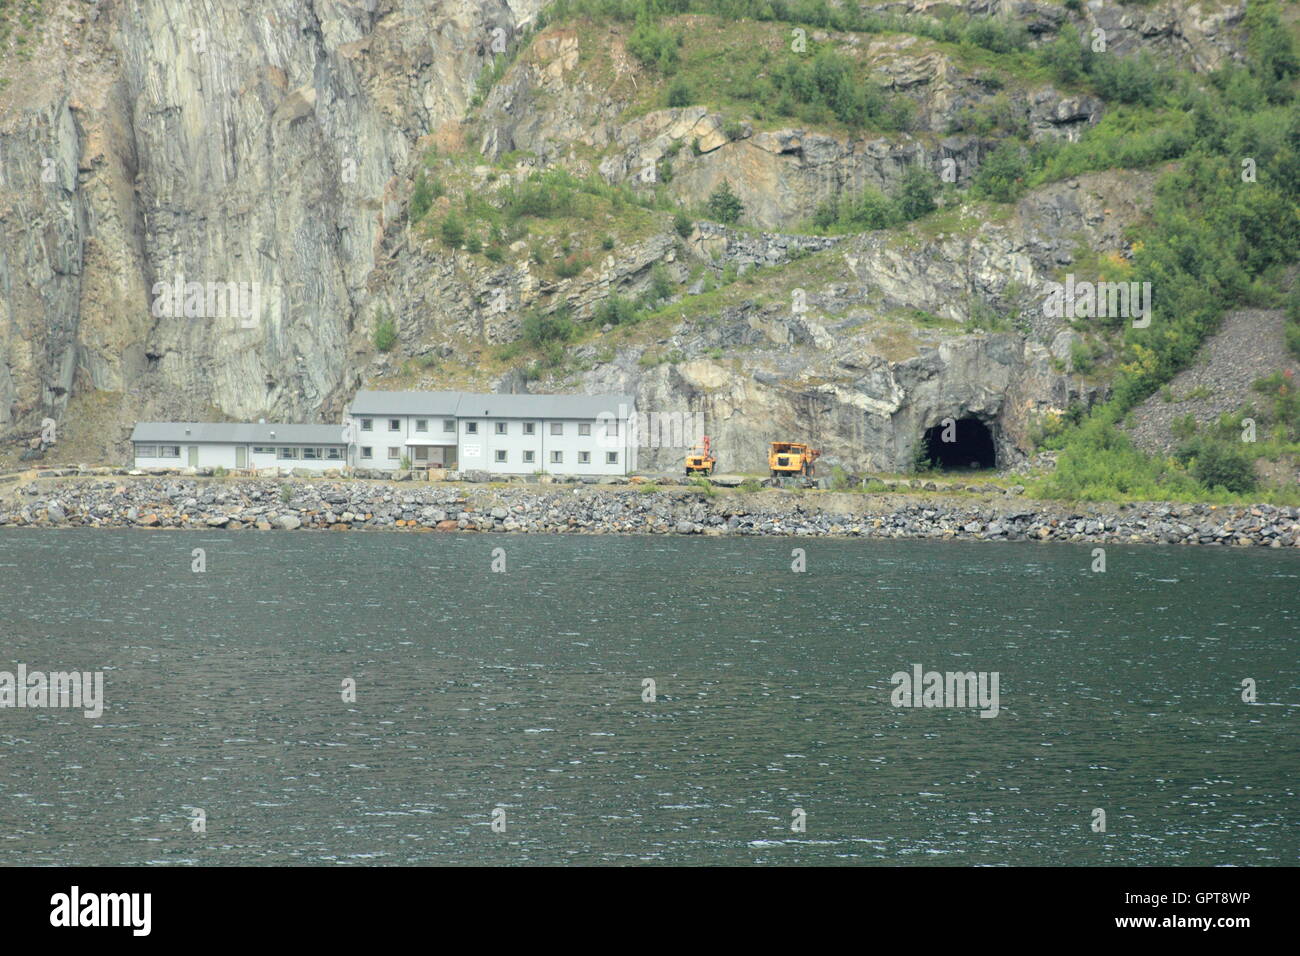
(194,456)
(241,456)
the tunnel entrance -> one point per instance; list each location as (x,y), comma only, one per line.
(964,444)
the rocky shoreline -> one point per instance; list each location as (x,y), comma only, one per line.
(154,502)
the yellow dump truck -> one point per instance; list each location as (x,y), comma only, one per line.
(786,458)
(700,460)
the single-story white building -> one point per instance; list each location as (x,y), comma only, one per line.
(238,445)
(499,434)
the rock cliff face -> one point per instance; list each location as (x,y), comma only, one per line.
(233,142)
(258,157)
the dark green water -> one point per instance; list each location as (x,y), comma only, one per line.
(1119,691)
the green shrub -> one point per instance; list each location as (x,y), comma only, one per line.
(679,93)
(421,197)
(683,225)
(654,45)
(825,87)
(661,285)
(385,335)
(539,329)
(724,205)
(570,266)
(1284,413)
(705,486)
(615,310)
(916,193)
(452,232)
(1001,176)
(1218,464)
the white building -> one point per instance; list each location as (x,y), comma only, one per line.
(238,445)
(499,434)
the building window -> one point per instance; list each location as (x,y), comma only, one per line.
(146,451)
(530,457)
(557,458)
(557,428)
(584,429)
(334,454)
(367,451)
(501,428)
(611,458)
(611,429)
(263,450)
(169,451)
(311,454)
(584,458)
(367,424)
(394,452)
(394,424)
(422,424)
(501,455)
(288,454)
(530,428)
(421,454)
(471,428)
(449,426)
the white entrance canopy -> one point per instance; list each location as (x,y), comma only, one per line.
(429,443)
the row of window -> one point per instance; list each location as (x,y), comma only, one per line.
(307,454)
(284,454)
(502,428)
(529,457)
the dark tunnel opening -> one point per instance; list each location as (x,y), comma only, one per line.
(963,444)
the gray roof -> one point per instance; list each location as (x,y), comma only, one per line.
(370,402)
(481,405)
(237,433)
(473,405)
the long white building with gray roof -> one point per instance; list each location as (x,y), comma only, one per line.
(498,434)
(390,431)
(238,445)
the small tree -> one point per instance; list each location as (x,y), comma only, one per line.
(385,330)
(421,197)
(453,233)
(916,195)
(724,205)
(1217,464)
(1002,174)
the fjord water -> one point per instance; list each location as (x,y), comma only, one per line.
(523,689)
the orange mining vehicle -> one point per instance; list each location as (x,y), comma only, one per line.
(787,458)
(700,459)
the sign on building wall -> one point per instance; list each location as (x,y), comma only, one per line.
(473,451)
